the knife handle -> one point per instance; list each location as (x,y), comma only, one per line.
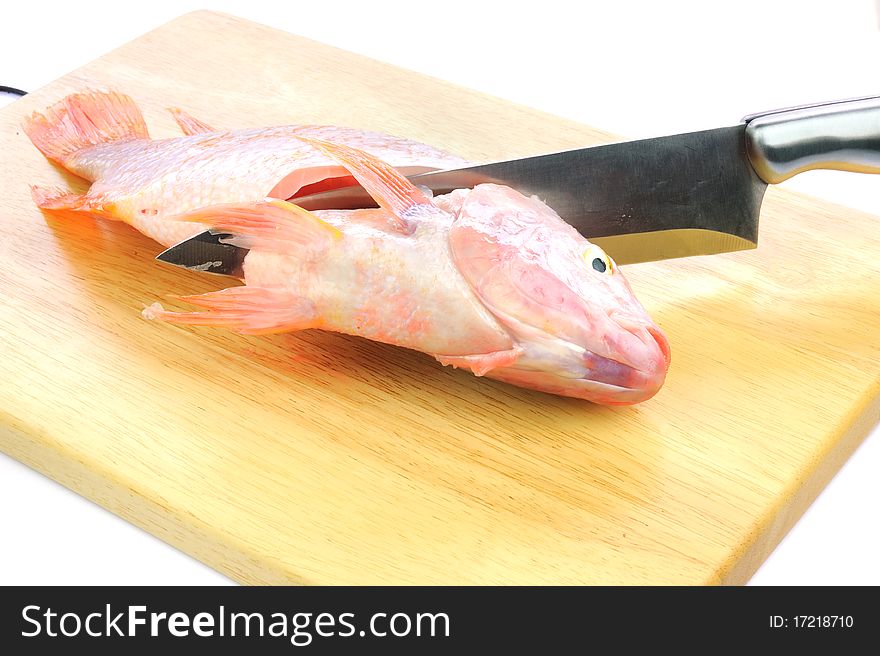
(842,135)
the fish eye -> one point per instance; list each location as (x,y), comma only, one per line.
(598,260)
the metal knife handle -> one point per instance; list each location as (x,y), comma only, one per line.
(843,135)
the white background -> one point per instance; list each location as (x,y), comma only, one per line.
(634,68)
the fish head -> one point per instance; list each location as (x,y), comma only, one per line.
(563,300)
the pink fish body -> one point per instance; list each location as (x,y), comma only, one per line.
(148,183)
(485,279)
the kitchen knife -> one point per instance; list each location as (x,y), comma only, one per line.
(696,193)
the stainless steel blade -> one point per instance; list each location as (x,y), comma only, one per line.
(206,253)
(649,199)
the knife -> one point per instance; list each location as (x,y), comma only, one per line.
(696,193)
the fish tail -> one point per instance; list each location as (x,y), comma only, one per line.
(247,310)
(84,120)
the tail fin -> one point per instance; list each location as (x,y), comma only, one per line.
(83,120)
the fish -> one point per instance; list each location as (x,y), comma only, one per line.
(484,279)
(148,183)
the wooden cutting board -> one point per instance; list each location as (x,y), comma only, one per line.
(320,458)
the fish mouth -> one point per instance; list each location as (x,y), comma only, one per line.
(641,345)
(614,383)
(619,374)
(638,377)
(662,344)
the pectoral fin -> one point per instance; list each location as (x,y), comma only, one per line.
(271,224)
(388,187)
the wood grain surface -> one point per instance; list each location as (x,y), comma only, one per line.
(326,459)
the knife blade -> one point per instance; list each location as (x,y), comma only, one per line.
(697,193)
(207,253)
(648,199)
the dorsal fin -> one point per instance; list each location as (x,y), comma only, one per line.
(189,123)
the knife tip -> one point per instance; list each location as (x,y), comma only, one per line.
(206,252)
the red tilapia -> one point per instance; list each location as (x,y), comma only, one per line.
(484,279)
